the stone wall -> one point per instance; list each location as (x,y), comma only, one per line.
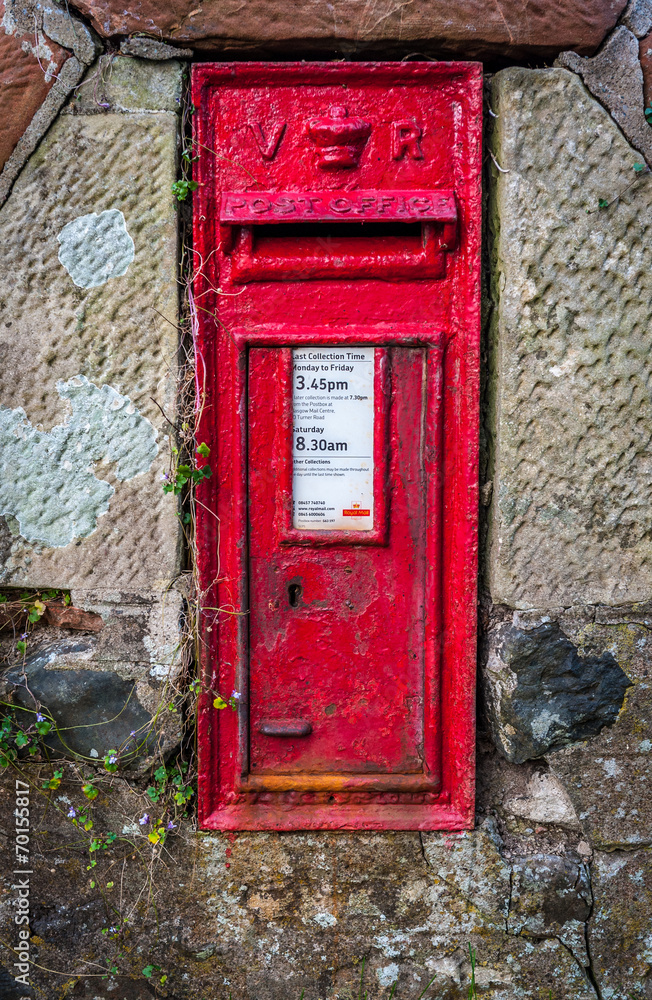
(551,894)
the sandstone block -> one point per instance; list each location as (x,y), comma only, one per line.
(571,350)
(469,28)
(115,342)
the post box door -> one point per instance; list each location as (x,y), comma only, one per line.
(335,314)
(337,634)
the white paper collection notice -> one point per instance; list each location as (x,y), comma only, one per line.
(333,440)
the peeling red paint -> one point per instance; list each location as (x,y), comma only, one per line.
(353,654)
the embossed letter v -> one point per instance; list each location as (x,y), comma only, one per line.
(268,146)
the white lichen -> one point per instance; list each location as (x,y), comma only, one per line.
(95,248)
(47,479)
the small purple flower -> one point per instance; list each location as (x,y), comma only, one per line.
(24,635)
(112,930)
(112,759)
(171,825)
(237,695)
(72,812)
(144,819)
(39,717)
(133,732)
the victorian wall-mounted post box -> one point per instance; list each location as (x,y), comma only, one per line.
(336,250)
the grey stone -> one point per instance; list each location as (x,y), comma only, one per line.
(66,30)
(637,16)
(570,350)
(151,48)
(620,931)
(57,23)
(543,695)
(544,800)
(275,914)
(551,897)
(118,83)
(615,78)
(10,989)
(93,711)
(608,777)
(121,335)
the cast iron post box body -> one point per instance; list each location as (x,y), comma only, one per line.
(336,254)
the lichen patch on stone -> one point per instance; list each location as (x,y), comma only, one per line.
(95,248)
(47,480)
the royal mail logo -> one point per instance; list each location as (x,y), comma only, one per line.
(356,511)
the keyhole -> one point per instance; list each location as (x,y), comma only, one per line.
(295,590)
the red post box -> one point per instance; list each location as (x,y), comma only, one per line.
(337,243)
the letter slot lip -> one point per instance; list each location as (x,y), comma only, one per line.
(435,209)
(285,727)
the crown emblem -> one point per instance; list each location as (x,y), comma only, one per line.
(339,139)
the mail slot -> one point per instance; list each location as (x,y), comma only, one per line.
(336,293)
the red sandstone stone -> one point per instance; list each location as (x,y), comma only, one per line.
(470,28)
(24,84)
(645,55)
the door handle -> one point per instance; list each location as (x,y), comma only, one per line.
(285,727)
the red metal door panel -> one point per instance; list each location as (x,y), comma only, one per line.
(338,207)
(337,643)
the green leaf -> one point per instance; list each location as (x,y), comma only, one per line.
(44,727)
(639,167)
(153,793)
(21,740)
(90,792)
(603,203)
(203,450)
(160,774)
(21,646)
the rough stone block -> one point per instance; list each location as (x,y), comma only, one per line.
(106,688)
(469,27)
(150,48)
(118,339)
(615,78)
(542,694)
(123,83)
(571,350)
(543,800)
(24,84)
(637,16)
(609,776)
(43,51)
(275,915)
(620,932)
(551,897)
(645,56)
